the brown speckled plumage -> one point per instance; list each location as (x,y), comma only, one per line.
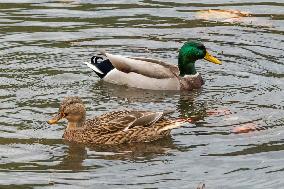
(125,126)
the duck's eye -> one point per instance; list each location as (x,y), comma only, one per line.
(201,47)
(63,114)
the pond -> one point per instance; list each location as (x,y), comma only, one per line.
(44,43)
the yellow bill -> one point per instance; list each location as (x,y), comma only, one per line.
(55,119)
(211,58)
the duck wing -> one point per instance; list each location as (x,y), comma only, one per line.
(148,67)
(172,67)
(124,120)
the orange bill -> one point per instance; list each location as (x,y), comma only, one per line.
(55,119)
(211,58)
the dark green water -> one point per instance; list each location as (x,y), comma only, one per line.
(43,45)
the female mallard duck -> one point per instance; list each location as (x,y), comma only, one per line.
(112,128)
(146,73)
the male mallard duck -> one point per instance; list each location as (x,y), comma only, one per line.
(147,73)
(118,127)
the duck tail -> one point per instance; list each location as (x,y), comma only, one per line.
(170,126)
(102,67)
(170,111)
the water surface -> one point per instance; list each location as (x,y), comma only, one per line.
(43,45)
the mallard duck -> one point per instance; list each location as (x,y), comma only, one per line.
(147,73)
(124,126)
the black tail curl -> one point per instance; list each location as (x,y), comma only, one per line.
(104,66)
(96,58)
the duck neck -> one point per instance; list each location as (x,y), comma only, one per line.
(186,67)
(76,125)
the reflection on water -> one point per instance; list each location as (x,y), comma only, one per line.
(77,153)
(189,107)
(74,157)
(43,45)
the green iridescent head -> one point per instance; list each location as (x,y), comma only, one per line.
(189,53)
